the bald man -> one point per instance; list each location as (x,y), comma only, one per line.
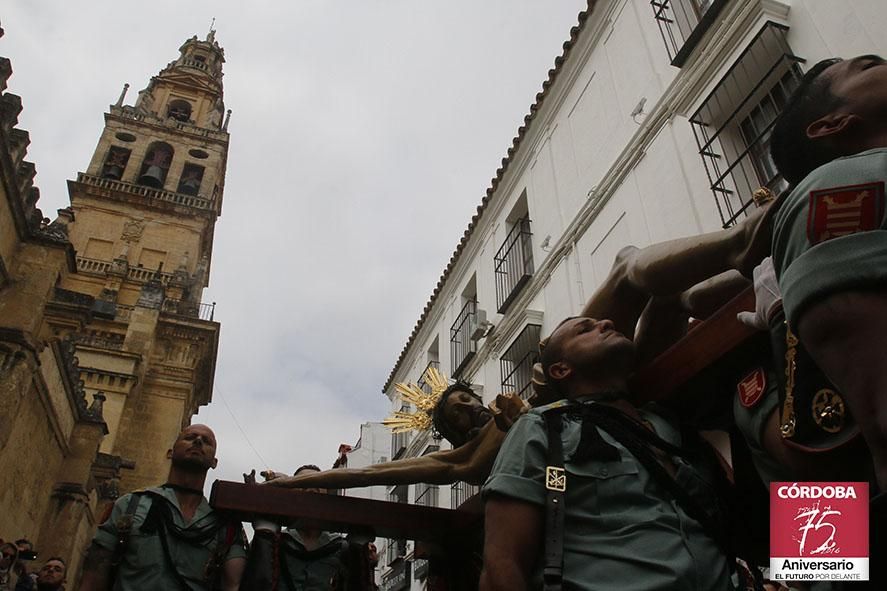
(168,537)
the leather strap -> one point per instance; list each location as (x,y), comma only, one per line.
(556,485)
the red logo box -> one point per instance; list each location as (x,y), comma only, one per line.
(819,530)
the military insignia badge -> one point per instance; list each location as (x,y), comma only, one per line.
(840,211)
(828,410)
(751,388)
(555,478)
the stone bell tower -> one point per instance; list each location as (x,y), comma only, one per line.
(145,212)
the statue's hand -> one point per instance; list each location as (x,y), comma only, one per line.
(507,408)
(270,475)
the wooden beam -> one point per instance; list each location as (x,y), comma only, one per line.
(342,513)
(702,347)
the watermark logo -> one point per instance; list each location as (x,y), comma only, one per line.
(819,531)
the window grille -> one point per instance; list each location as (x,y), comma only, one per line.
(733,125)
(516,363)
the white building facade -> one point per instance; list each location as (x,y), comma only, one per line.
(653,124)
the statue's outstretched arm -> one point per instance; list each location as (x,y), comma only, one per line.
(470,462)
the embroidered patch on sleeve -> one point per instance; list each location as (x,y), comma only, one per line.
(840,211)
(751,388)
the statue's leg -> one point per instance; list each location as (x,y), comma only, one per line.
(844,333)
(671,267)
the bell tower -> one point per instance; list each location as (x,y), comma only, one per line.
(145,212)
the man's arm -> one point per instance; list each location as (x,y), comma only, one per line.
(96,569)
(232,572)
(512,543)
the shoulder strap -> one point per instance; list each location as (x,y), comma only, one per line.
(123,525)
(556,485)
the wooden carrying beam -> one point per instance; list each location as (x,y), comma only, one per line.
(342,514)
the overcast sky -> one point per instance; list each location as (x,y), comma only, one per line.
(364,134)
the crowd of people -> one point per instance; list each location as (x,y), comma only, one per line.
(593,488)
(17,572)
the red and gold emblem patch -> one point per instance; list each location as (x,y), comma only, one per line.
(840,211)
(751,388)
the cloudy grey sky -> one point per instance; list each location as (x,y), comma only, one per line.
(364,134)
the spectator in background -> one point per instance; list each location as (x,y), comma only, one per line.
(51,577)
(8,558)
(25,554)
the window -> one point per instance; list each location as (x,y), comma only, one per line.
(156,165)
(115,163)
(192,176)
(514,260)
(516,363)
(733,125)
(462,347)
(682,23)
(179,110)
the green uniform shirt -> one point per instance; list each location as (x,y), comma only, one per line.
(314,570)
(622,530)
(751,423)
(830,234)
(143,566)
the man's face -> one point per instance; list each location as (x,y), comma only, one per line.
(7,555)
(312,488)
(464,413)
(52,574)
(194,448)
(861,84)
(593,345)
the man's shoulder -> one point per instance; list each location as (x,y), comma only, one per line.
(557,406)
(870,165)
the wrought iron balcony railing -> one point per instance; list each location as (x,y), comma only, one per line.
(513,263)
(421,382)
(426,494)
(462,347)
(461,492)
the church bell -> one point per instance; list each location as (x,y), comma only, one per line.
(153,177)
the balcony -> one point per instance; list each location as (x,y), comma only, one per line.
(200,311)
(137,274)
(461,492)
(109,341)
(682,24)
(425,386)
(513,264)
(193,201)
(462,347)
(399,441)
(516,363)
(427,495)
(132,114)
